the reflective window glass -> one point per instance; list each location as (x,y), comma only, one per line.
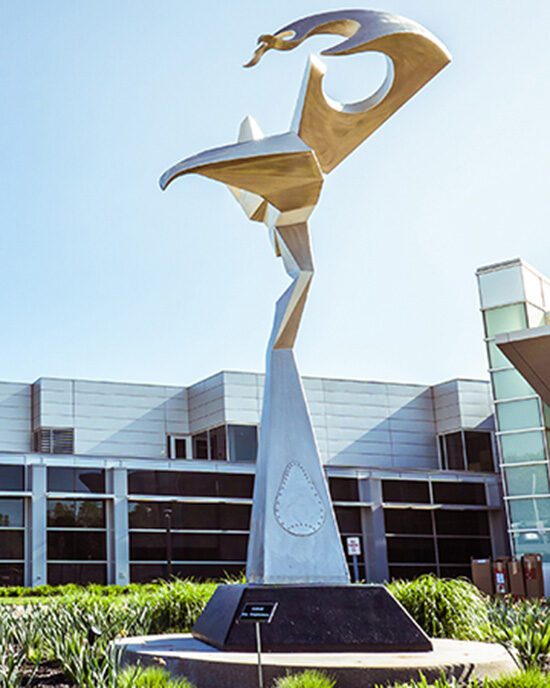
(537,542)
(462,522)
(517,415)
(218,449)
(410,572)
(410,550)
(522,446)
(505,319)
(459,493)
(533,288)
(479,451)
(65,479)
(243,442)
(200,446)
(67,513)
(12,544)
(509,384)
(83,574)
(349,519)
(12,574)
(12,477)
(79,545)
(460,551)
(408,491)
(496,358)
(190,516)
(501,286)
(527,480)
(454,451)
(535,316)
(530,513)
(408,521)
(344,489)
(12,513)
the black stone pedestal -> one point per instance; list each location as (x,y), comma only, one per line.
(339,618)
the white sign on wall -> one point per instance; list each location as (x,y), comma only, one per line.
(353,545)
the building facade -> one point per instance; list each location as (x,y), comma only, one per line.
(515,303)
(109,482)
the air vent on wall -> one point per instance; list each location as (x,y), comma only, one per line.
(54,441)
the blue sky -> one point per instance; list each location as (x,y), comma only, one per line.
(104,276)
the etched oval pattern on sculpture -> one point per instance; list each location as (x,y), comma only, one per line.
(299,507)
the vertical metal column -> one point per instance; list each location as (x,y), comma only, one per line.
(374,531)
(119,533)
(38,523)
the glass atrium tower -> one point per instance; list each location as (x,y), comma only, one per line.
(515,303)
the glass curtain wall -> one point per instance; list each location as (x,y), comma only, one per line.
(515,297)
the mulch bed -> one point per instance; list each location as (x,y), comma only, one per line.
(49,676)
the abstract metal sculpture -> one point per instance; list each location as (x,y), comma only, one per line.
(277,180)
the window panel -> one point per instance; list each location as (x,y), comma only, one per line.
(527,480)
(76,513)
(12,544)
(535,316)
(146,573)
(408,491)
(519,415)
(188,547)
(190,484)
(243,442)
(410,550)
(348,519)
(501,286)
(505,319)
(457,551)
(83,574)
(12,478)
(509,384)
(80,546)
(12,574)
(218,449)
(410,572)
(65,479)
(200,446)
(344,489)
(408,521)
(479,451)
(523,446)
(496,358)
(462,522)
(536,542)
(190,516)
(455,571)
(12,513)
(459,493)
(529,513)
(454,451)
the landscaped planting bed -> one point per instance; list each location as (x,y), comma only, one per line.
(61,637)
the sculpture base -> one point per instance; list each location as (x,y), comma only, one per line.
(340,618)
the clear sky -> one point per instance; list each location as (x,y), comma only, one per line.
(105,276)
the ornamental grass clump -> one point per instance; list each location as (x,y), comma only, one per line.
(445,608)
(526,679)
(152,677)
(311,678)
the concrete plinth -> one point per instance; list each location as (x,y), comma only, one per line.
(206,667)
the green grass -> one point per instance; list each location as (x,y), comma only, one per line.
(152,677)
(527,679)
(305,679)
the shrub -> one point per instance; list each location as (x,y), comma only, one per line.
(523,628)
(152,677)
(527,679)
(445,608)
(306,679)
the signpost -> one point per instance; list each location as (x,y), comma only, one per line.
(353,545)
(258,613)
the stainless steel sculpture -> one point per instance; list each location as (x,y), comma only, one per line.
(277,180)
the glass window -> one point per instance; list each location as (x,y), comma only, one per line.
(459,493)
(527,480)
(344,489)
(12,544)
(460,551)
(232,485)
(349,519)
(65,479)
(243,442)
(12,574)
(536,542)
(145,573)
(188,547)
(501,286)
(66,513)
(505,319)
(176,447)
(518,415)
(522,446)
(12,478)
(83,574)
(496,358)
(410,572)
(479,451)
(461,522)
(218,450)
(190,516)
(83,545)
(11,513)
(533,288)
(408,521)
(454,451)
(410,550)
(529,513)
(509,384)
(407,491)
(200,446)
(535,316)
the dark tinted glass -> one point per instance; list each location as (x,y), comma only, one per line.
(343,489)
(455,572)
(200,446)
(76,513)
(459,493)
(59,574)
(180,448)
(12,513)
(11,574)
(462,522)
(479,451)
(409,549)
(81,546)
(218,449)
(410,572)
(458,551)
(410,491)
(454,451)
(408,521)
(145,573)
(190,484)
(12,544)
(63,479)
(243,442)
(12,477)
(349,519)
(188,547)
(233,485)
(190,516)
